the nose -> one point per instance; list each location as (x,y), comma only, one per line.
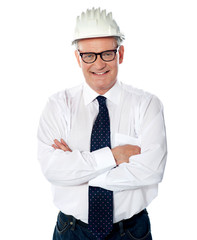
(99,63)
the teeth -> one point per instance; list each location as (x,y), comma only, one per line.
(100,73)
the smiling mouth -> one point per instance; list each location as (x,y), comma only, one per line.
(100,73)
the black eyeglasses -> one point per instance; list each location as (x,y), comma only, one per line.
(107,56)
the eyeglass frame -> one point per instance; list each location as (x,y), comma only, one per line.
(100,54)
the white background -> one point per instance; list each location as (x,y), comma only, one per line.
(37,60)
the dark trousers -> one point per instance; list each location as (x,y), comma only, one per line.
(135,228)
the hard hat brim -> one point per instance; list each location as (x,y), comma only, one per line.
(121,36)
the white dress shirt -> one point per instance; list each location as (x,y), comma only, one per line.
(136,118)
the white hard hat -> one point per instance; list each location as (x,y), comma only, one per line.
(96,23)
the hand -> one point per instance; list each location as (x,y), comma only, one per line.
(61,145)
(123,153)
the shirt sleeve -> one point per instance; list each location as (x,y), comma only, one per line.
(66,168)
(148,167)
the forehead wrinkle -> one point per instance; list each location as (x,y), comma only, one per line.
(97,45)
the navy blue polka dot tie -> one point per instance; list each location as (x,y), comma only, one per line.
(100,200)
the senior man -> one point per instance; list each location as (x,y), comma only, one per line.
(102,144)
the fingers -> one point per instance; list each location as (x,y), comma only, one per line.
(65,144)
(132,149)
(54,146)
(137,150)
(61,145)
(123,153)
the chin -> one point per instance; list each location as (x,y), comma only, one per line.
(102,89)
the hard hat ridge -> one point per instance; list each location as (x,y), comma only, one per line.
(96,23)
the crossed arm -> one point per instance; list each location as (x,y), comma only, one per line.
(121,153)
(72,167)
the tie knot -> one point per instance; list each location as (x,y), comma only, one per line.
(101,100)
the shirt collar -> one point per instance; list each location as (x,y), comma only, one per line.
(113,94)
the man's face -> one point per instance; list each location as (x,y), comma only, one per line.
(100,75)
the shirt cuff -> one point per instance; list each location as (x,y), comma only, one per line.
(104,158)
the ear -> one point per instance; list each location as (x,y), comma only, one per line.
(121,54)
(78,58)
